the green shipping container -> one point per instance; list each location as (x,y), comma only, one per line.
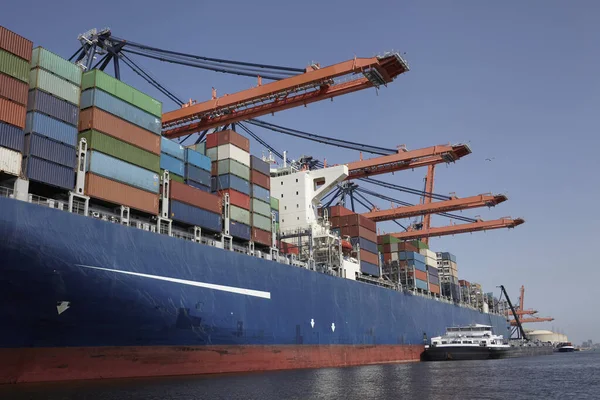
(14,66)
(419,245)
(274,203)
(41,79)
(174,177)
(261,207)
(115,87)
(230,166)
(387,239)
(277,227)
(124,151)
(42,58)
(239,214)
(261,222)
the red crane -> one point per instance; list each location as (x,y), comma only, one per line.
(521,311)
(480,225)
(405,159)
(315,84)
(454,204)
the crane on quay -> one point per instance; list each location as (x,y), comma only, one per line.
(293,87)
(520,310)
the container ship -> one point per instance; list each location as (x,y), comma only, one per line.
(126,254)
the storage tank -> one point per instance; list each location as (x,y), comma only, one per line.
(547,336)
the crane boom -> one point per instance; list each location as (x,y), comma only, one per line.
(314,85)
(404,160)
(506,222)
(531,320)
(436,207)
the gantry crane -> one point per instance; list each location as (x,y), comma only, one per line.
(454,204)
(520,310)
(454,229)
(315,84)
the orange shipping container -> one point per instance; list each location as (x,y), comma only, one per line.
(387,257)
(225,137)
(260,179)
(12,113)
(405,246)
(15,44)
(195,197)
(339,211)
(13,89)
(421,275)
(94,118)
(262,237)
(369,257)
(434,288)
(115,192)
(288,248)
(236,198)
(335,222)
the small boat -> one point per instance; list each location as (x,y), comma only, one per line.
(565,347)
(471,342)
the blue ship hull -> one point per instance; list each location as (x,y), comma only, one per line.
(70,283)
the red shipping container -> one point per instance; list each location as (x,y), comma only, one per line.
(195,197)
(369,257)
(335,222)
(339,211)
(118,193)
(225,137)
(236,198)
(288,248)
(262,237)
(94,118)
(434,288)
(387,257)
(15,44)
(356,219)
(12,113)
(13,89)
(464,283)
(405,246)
(359,231)
(260,179)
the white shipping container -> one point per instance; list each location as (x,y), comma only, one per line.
(10,161)
(428,253)
(431,261)
(394,256)
(226,151)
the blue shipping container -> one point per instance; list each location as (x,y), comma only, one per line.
(196,174)
(446,256)
(197,159)
(239,230)
(260,165)
(53,106)
(172,148)
(195,216)
(229,181)
(121,171)
(434,280)
(120,108)
(419,265)
(51,127)
(49,173)
(276,215)
(48,149)
(368,268)
(421,284)
(198,186)
(172,164)
(11,137)
(261,193)
(365,244)
(432,271)
(410,255)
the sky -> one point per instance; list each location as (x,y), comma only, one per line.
(517,81)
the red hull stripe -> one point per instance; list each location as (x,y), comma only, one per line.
(73,363)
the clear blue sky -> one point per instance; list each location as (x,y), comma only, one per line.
(516,80)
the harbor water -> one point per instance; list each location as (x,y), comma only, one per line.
(558,376)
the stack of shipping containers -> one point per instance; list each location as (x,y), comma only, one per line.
(230,156)
(407,262)
(122,127)
(362,232)
(465,291)
(190,200)
(15,56)
(432,270)
(448,275)
(261,219)
(52,116)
